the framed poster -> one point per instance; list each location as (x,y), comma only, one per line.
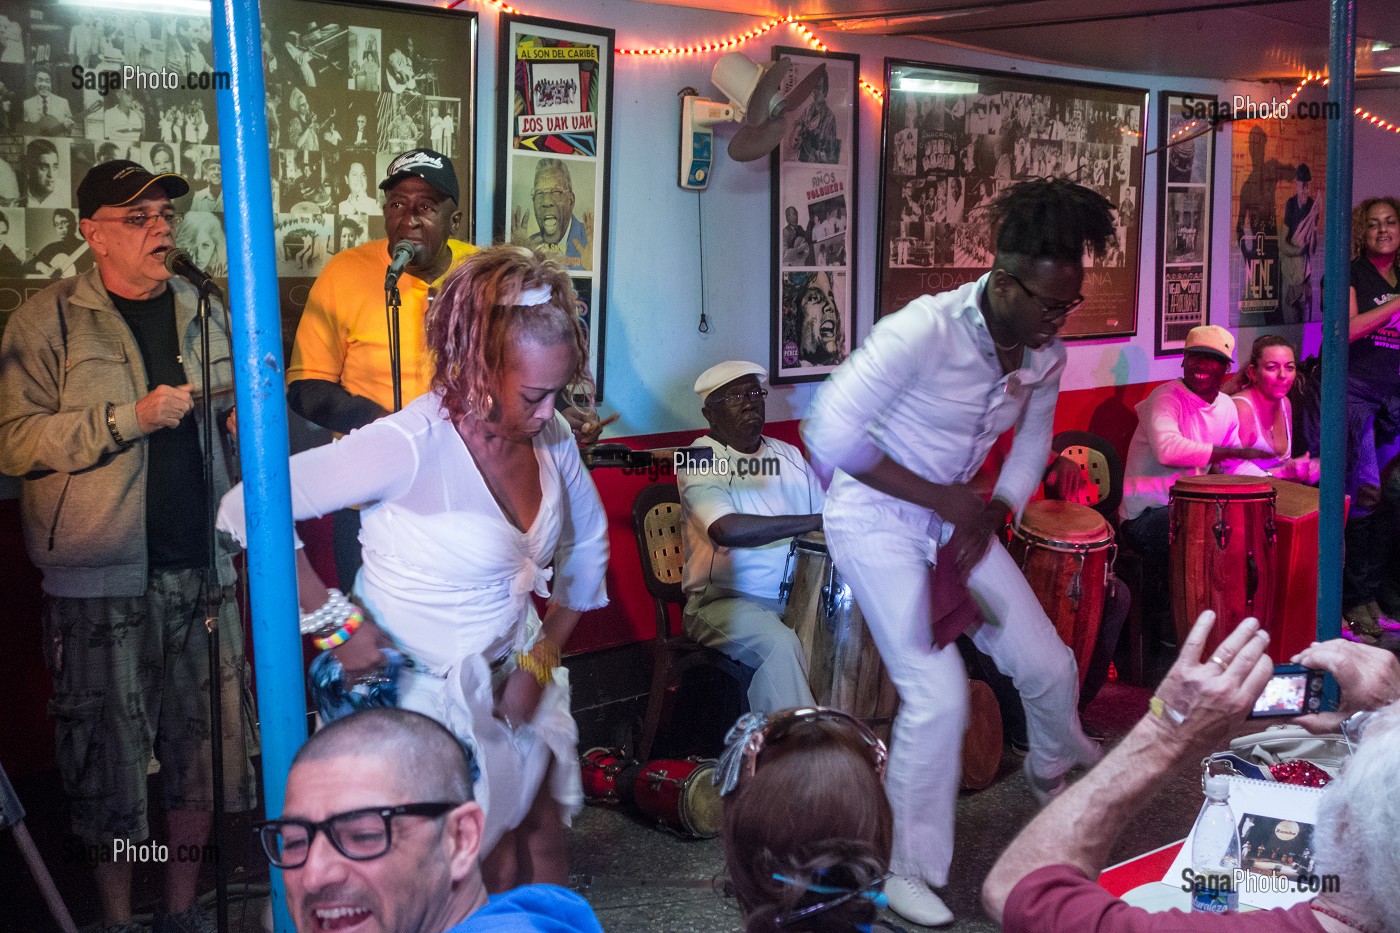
(956,138)
(1278,170)
(553,154)
(349,86)
(1185,177)
(814,210)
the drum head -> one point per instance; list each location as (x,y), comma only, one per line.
(702,807)
(814,541)
(1216,486)
(1064,522)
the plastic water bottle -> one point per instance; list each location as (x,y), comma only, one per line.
(1215,852)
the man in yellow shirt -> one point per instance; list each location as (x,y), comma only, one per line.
(339,374)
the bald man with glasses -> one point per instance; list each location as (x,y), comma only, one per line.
(379,832)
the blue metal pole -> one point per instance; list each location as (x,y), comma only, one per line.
(1336,303)
(262,402)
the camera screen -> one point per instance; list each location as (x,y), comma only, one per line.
(1284,693)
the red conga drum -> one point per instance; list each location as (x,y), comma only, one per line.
(681,796)
(1222,552)
(601,770)
(1066,551)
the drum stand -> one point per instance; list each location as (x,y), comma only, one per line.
(12,815)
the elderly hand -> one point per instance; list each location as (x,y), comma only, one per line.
(1066,478)
(163,407)
(1369,678)
(1207,699)
(586,431)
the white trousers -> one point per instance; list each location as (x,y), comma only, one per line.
(751,631)
(884,552)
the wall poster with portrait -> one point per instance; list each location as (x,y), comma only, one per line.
(553,152)
(1186,171)
(349,86)
(1278,171)
(814,211)
(956,138)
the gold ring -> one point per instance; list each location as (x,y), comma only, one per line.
(1224,665)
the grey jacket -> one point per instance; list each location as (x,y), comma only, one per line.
(66,353)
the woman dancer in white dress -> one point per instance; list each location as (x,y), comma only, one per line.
(1266,414)
(476,500)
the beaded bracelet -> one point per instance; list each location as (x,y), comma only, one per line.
(329,616)
(541,660)
(342,634)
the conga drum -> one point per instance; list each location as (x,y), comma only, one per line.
(602,772)
(844,669)
(680,794)
(1066,551)
(1222,552)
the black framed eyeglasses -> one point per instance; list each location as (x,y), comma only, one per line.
(740,396)
(1049,310)
(359,835)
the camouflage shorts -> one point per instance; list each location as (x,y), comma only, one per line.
(131,680)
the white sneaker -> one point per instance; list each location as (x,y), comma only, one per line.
(915,901)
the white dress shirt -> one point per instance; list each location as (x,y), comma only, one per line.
(1176,434)
(926,390)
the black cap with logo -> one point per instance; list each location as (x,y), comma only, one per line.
(112,184)
(433,167)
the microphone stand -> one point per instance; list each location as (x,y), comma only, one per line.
(391,312)
(211,611)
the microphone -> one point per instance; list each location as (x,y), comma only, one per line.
(402,253)
(178,262)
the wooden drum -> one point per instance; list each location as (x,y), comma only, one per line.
(1066,551)
(843,667)
(1222,552)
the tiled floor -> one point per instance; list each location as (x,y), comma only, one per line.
(643,880)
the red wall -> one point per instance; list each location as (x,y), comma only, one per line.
(26,738)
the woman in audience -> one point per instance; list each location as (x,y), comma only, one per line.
(475,502)
(807,827)
(1266,414)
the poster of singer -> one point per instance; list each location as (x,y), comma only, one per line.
(956,138)
(1185,177)
(348,88)
(814,198)
(1277,172)
(552,154)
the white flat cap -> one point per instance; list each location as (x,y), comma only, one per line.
(726,372)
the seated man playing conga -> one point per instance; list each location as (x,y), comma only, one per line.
(1185,427)
(741,512)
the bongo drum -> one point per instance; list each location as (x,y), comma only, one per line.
(844,669)
(1222,552)
(1066,551)
(681,796)
(601,770)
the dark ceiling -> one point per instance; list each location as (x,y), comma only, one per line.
(1223,39)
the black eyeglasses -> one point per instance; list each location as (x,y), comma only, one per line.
(740,396)
(143,220)
(1050,310)
(359,835)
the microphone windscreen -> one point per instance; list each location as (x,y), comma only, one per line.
(174,258)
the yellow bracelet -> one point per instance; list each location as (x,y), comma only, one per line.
(541,660)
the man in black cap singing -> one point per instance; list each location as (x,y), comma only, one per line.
(339,375)
(98,379)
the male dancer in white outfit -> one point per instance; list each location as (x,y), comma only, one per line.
(907,422)
(741,512)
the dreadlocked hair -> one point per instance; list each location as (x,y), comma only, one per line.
(474,317)
(1052,218)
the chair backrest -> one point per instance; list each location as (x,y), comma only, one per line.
(656,520)
(1101,465)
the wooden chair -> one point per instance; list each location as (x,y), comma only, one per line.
(657,520)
